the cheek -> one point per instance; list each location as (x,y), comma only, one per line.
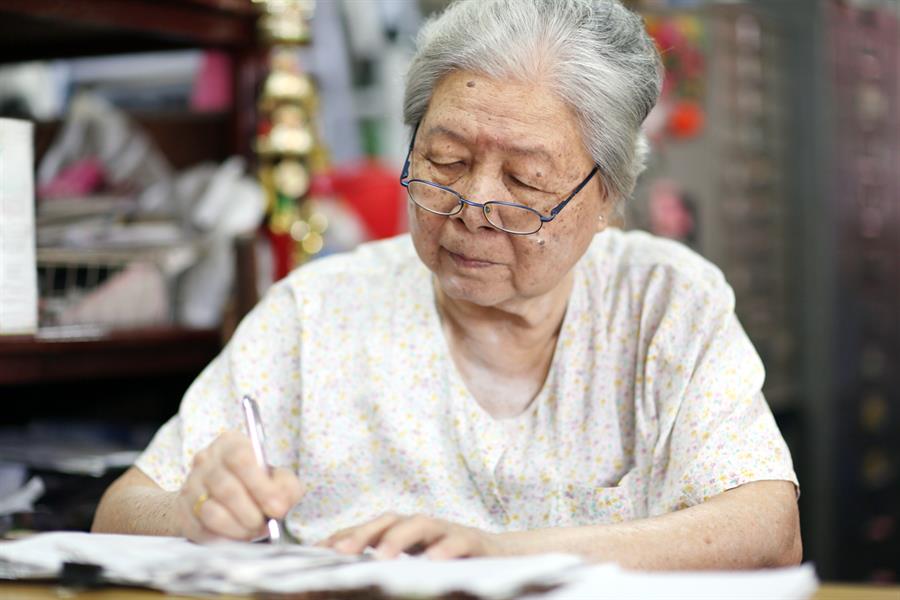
(424,228)
(537,264)
(541,267)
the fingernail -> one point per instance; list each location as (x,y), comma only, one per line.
(275,507)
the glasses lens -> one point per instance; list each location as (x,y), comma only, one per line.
(514,219)
(432,198)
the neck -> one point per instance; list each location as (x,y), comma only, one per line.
(519,326)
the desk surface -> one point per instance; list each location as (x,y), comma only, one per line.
(828,591)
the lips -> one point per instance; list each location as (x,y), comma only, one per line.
(468,261)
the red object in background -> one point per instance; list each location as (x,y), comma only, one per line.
(686,119)
(80,178)
(374,193)
(369,189)
(282,253)
(671,212)
(212,89)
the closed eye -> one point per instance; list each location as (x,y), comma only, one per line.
(525,185)
(446,165)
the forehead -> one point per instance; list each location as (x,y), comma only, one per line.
(510,116)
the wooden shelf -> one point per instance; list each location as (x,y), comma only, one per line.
(131,353)
(209,135)
(44,29)
(53,29)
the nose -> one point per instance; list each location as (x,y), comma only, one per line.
(481,188)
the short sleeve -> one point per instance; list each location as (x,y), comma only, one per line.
(262,360)
(718,432)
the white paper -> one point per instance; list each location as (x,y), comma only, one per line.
(18,266)
(22,499)
(796,583)
(177,566)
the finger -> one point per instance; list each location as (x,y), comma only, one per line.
(188,494)
(237,456)
(454,545)
(355,539)
(189,525)
(291,489)
(203,516)
(417,530)
(195,532)
(227,489)
(219,521)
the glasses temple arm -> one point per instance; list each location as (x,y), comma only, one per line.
(581,185)
(405,172)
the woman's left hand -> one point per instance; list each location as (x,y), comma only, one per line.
(391,534)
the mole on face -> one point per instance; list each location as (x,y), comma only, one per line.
(470,84)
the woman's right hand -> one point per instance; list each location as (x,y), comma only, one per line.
(228,494)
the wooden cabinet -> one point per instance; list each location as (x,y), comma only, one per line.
(47,29)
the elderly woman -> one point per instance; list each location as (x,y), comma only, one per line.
(512,376)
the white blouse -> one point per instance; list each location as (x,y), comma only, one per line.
(652,402)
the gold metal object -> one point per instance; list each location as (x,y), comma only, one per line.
(198,504)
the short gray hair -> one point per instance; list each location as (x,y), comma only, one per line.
(595,55)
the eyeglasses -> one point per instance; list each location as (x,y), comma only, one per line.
(510,217)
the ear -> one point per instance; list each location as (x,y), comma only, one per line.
(609,215)
(607,207)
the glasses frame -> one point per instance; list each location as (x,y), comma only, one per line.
(554,212)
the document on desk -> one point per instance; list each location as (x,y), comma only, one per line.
(794,583)
(177,566)
(18,267)
(180,567)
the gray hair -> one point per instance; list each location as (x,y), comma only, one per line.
(595,55)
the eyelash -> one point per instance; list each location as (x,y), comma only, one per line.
(525,185)
(450,164)
(459,163)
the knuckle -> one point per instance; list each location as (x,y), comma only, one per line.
(290,490)
(359,535)
(295,491)
(240,458)
(225,488)
(419,520)
(228,438)
(201,458)
(215,518)
(252,520)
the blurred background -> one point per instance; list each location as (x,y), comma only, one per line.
(188,153)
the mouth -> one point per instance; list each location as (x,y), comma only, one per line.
(468,262)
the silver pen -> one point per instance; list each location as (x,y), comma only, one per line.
(278,534)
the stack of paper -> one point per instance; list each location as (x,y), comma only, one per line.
(796,583)
(177,566)
(18,269)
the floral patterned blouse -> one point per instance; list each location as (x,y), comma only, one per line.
(652,402)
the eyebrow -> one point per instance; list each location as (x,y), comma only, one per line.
(524,150)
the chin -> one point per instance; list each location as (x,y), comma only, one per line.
(469,291)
